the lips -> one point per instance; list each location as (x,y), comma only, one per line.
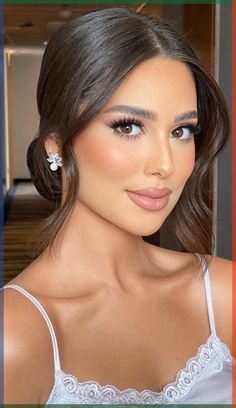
(151,198)
(152,192)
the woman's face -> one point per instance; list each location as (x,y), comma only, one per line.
(142,138)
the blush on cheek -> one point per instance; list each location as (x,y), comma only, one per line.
(109,160)
(184,166)
(188,166)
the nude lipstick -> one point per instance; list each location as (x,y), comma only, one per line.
(150,198)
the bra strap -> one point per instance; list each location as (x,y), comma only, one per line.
(49,324)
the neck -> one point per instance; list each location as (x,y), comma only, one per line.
(95,251)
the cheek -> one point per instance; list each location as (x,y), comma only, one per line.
(185,164)
(106,159)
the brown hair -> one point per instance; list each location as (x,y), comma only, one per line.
(85,61)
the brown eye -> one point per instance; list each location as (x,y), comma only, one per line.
(178,132)
(126,129)
(183,133)
(130,128)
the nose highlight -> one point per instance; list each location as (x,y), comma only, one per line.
(160,160)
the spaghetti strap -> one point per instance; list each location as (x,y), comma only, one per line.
(208,293)
(207,284)
(49,324)
(209,302)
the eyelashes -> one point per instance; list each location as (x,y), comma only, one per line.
(193,129)
(126,122)
(132,123)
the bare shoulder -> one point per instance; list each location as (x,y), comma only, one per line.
(169,261)
(220,271)
(184,267)
(27,348)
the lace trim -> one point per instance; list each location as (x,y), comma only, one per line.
(90,392)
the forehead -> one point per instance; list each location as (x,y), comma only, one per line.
(159,84)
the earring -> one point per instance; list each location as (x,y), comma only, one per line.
(55,160)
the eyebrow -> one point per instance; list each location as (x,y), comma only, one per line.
(147,114)
(133,110)
(186,115)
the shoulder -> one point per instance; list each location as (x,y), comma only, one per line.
(168,261)
(220,270)
(185,268)
(221,275)
(26,343)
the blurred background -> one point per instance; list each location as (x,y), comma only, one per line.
(27,29)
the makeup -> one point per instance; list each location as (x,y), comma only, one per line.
(149,203)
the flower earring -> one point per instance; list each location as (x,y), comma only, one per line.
(55,160)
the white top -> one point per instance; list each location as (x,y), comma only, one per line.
(206,378)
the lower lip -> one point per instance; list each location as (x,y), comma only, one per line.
(149,203)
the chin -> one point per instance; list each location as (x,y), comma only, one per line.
(145,231)
(150,232)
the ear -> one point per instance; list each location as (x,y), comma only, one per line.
(52,144)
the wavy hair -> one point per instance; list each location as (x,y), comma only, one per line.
(83,64)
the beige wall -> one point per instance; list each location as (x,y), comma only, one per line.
(25,72)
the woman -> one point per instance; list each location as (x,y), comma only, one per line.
(129,125)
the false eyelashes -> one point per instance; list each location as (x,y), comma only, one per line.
(194,129)
(115,124)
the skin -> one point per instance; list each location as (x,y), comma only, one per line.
(108,290)
(109,164)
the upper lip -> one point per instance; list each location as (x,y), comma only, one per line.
(152,192)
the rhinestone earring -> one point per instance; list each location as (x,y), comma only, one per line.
(55,159)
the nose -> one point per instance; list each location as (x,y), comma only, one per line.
(160,157)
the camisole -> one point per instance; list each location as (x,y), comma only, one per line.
(205,379)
